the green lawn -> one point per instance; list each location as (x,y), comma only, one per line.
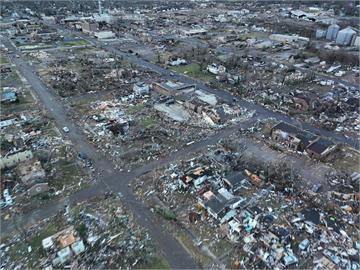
(21,248)
(347,159)
(148,122)
(10,79)
(4,60)
(134,109)
(71,174)
(157,263)
(194,71)
(79,42)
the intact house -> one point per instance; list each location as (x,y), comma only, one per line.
(300,140)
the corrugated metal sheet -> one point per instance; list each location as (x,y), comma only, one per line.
(344,36)
(320,33)
(332,31)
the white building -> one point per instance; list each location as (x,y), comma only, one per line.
(104,34)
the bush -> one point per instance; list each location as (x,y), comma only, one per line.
(82,230)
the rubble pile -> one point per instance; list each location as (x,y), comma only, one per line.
(271,222)
(33,158)
(132,132)
(89,72)
(98,233)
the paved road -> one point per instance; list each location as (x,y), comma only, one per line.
(109,179)
(261,112)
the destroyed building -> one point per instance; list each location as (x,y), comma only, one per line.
(171,88)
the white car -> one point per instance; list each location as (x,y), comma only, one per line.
(66,129)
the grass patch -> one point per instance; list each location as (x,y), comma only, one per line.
(26,98)
(70,174)
(346,159)
(3,60)
(308,54)
(193,70)
(80,42)
(21,249)
(148,122)
(25,102)
(51,131)
(13,76)
(134,109)
(193,250)
(221,247)
(156,263)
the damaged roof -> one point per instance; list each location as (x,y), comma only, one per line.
(320,145)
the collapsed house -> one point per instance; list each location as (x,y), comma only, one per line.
(302,141)
(63,245)
(171,88)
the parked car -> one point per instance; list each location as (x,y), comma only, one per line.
(66,129)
